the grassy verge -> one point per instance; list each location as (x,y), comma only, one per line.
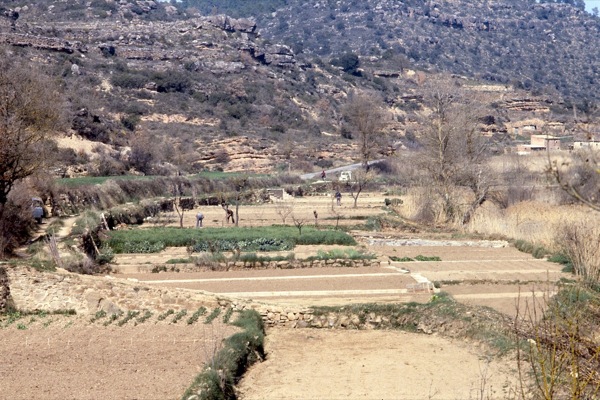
(441,315)
(273,238)
(417,258)
(239,352)
(341,254)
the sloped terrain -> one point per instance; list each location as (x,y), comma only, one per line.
(174,90)
(536,46)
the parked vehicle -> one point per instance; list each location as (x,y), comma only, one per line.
(345,176)
(37,209)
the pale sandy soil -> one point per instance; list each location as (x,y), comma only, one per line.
(301,364)
(71,359)
(332,364)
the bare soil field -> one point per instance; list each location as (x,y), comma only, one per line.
(326,364)
(330,364)
(59,357)
(83,361)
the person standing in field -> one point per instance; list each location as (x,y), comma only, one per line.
(199,219)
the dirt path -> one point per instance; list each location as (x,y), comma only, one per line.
(330,364)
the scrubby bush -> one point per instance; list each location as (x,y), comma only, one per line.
(128,80)
(580,242)
(16,221)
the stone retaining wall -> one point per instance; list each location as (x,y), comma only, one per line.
(30,290)
(241,265)
(305,318)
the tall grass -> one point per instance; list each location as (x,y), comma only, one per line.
(535,222)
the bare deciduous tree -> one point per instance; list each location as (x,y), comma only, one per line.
(299,222)
(367,117)
(284,209)
(454,154)
(361,179)
(241,183)
(31,110)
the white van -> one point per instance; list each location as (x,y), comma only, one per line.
(345,176)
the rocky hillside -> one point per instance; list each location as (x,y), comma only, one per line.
(167,89)
(540,46)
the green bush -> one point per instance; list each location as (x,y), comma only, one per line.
(197,314)
(147,315)
(166,314)
(563,260)
(214,314)
(127,80)
(524,246)
(341,254)
(539,252)
(179,315)
(417,258)
(105,255)
(427,258)
(401,259)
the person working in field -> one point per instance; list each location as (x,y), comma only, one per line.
(228,213)
(199,219)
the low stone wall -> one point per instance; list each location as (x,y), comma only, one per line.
(241,265)
(292,264)
(305,318)
(32,290)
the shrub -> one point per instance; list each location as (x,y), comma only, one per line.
(426,258)
(178,316)
(580,243)
(147,315)
(130,121)
(197,314)
(166,314)
(105,255)
(16,221)
(564,260)
(401,259)
(127,80)
(342,254)
(393,202)
(214,314)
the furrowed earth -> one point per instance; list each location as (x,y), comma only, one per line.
(71,357)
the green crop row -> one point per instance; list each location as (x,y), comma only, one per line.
(272,238)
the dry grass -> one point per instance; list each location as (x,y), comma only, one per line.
(535,222)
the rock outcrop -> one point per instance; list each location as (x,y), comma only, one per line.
(5,299)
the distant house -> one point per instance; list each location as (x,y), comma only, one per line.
(540,143)
(594,144)
(546,142)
